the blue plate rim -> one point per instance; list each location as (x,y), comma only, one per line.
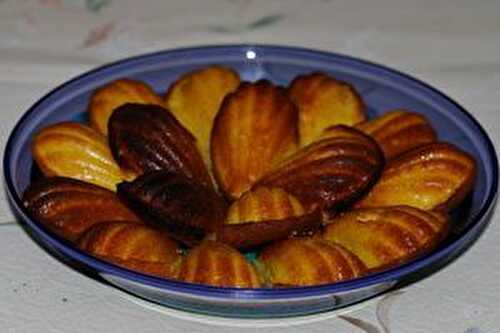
(248,293)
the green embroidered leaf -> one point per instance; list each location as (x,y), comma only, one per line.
(219,28)
(265,21)
(96,5)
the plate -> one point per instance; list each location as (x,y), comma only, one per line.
(381,88)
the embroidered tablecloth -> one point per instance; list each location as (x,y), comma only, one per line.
(453,45)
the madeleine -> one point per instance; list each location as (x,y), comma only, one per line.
(146,138)
(323,102)
(434,176)
(306,262)
(398,131)
(69,207)
(137,247)
(219,265)
(76,151)
(114,94)
(382,237)
(330,172)
(195,98)
(254,129)
(263,204)
(265,215)
(185,209)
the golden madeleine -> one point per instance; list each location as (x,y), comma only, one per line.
(251,234)
(434,176)
(76,151)
(382,237)
(114,94)
(254,128)
(330,172)
(306,262)
(195,98)
(262,204)
(146,138)
(220,265)
(324,101)
(263,215)
(134,246)
(185,209)
(398,131)
(69,207)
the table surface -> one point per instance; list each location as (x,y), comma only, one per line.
(453,45)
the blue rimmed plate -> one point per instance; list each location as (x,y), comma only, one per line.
(382,89)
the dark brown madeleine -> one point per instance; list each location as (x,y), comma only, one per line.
(306,262)
(185,209)
(255,127)
(434,176)
(323,102)
(68,206)
(134,246)
(382,237)
(145,138)
(398,131)
(218,265)
(330,172)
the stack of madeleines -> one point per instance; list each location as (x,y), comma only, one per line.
(182,186)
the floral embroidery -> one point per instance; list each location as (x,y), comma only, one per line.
(98,35)
(91,5)
(261,22)
(96,5)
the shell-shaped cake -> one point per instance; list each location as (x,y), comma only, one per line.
(114,94)
(263,215)
(76,151)
(147,137)
(398,131)
(220,265)
(323,102)
(263,204)
(69,207)
(134,246)
(382,237)
(255,127)
(306,262)
(250,234)
(195,98)
(330,172)
(185,209)
(434,176)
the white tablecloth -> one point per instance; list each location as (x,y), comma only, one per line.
(453,45)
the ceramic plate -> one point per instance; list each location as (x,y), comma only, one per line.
(381,88)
